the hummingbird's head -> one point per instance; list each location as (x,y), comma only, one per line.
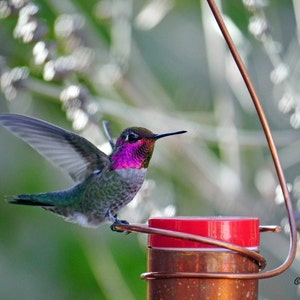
(134,148)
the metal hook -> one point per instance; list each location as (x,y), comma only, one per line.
(288,203)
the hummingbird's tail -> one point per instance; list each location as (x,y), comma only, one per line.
(31,199)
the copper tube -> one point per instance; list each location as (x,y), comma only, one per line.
(287,199)
(260,260)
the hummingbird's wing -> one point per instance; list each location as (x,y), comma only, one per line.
(67,150)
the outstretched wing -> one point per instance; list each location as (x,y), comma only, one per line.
(64,149)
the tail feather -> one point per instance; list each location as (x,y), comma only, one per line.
(28,199)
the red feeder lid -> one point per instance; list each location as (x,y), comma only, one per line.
(241,231)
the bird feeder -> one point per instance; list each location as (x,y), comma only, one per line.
(178,256)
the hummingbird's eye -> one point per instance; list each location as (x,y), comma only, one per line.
(132,137)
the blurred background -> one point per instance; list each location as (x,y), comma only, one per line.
(160,64)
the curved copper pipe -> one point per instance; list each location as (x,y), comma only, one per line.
(288,203)
(260,260)
(196,238)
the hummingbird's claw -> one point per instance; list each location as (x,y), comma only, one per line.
(118,222)
(115,221)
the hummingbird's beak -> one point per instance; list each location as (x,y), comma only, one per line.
(159,136)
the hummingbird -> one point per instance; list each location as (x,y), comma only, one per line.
(103,183)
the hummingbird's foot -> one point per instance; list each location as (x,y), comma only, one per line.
(116,222)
